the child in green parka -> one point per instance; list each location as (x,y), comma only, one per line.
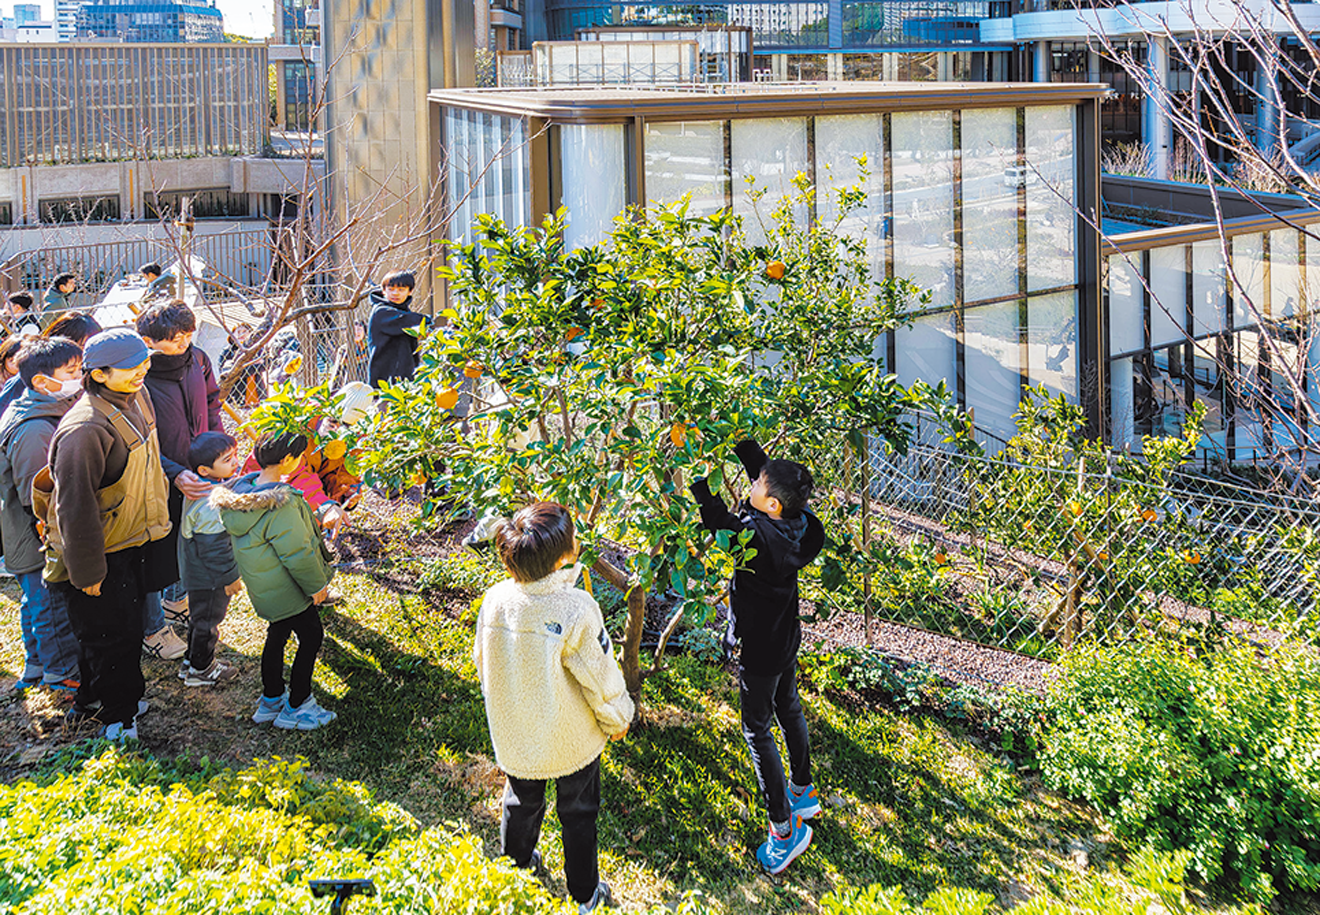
(285,566)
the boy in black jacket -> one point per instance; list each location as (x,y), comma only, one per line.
(391,350)
(764,605)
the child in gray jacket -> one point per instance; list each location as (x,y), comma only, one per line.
(206,562)
(554,693)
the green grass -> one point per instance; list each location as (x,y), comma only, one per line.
(909,801)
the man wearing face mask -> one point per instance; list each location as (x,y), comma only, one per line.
(51,369)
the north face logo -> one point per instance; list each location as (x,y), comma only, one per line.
(554,628)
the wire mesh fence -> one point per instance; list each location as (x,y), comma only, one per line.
(1036,559)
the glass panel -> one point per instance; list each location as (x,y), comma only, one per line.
(1052,345)
(1167,393)
(991,376)
(1209,289)
(1122,406)
(923,201)
(1312,259)
(1208,387)
(1127,320)
(926,350)
(687,158)
(990,203)
(1051,219)
(592,166)
(1285,274)
(840,142)
(1168,302)
(1248,431)
(772,151)
(1249,282)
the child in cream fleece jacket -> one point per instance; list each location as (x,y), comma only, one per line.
(554,693)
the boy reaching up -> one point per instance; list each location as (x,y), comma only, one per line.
(764,604)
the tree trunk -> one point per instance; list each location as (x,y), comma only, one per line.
(631,662)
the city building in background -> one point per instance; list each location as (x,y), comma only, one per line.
(104,141)
(295,53)
(26,12)
(153,21)
(66,18)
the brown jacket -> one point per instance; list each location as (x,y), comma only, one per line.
(87,456)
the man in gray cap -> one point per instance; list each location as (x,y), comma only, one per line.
(106,453)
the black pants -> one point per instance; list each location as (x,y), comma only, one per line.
(763,700)
(307,627)
(109,633)
(206,611)
(577,800)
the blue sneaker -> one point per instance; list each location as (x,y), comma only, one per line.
(600,899)
(307,717)
(804,803)
(778,853)
(269,709)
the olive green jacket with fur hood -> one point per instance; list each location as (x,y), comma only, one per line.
(277,544)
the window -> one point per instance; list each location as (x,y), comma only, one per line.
(6,214)
(79,209)
(207,203)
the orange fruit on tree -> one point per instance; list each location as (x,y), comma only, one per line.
(447,399)
(598,303)
(678,434)
(1074,509)
(1191,557)
(573,334)
(473,369)
(1148,515)
(335,449)
(775,270)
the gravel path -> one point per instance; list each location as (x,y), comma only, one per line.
(957,660)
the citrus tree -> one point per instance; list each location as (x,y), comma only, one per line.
(608,378)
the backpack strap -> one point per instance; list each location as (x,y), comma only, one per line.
(127,431)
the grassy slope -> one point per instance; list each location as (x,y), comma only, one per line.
(909,802)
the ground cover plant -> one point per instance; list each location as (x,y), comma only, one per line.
(913,802)
(1213,749)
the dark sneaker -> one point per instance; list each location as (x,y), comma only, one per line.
(599,899)
(778,852)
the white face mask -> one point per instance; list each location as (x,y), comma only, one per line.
(70,388)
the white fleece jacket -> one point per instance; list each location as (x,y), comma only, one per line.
(554,693)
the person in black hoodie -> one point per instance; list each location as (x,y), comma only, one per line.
(184,392)
(764,608)
(391,350)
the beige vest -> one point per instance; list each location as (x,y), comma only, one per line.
(134,509)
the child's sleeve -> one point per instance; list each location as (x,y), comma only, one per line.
(297,541)
(715,515)
(395,322)
(216,554)
(752,457)
(589,657)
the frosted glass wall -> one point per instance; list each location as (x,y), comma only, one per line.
(842,143)
(990,203)
(1270,277)
(992,367)
(1051,220)
(922,163)
(687,158)
(927,350)
(487,167)
(1052,342)
(771,152)
(1127,309)
(592,165)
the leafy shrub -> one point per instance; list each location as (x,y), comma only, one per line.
(1150,883)
(1217,753)
(179,838)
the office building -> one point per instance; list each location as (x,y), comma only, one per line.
(150,22)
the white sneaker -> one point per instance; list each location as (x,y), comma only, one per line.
(165,644)
(219,672)
(307,717)
(118,733)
